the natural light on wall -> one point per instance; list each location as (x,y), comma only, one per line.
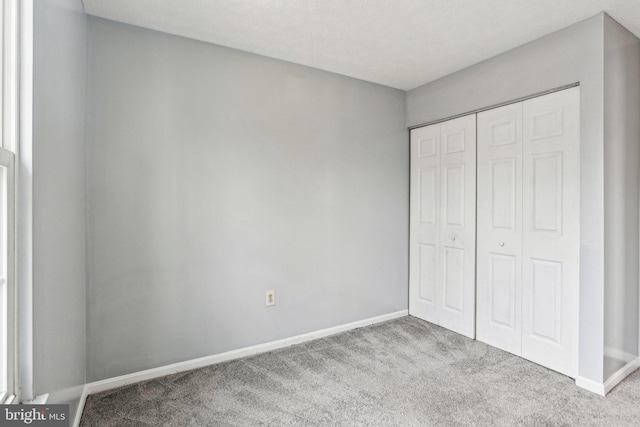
(8,143)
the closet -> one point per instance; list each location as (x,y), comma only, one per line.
(515,276)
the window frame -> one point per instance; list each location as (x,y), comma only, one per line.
(10,58)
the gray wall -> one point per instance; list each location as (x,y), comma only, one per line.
(59,43)
(214,175)
(571,55)
(621,165)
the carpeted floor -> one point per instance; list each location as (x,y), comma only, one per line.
(404,372)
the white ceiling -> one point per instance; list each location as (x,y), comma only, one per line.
(398,43)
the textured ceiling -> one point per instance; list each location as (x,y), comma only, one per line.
(398,43)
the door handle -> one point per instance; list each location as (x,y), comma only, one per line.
(501,243)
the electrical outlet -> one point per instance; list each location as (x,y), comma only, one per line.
(271,298)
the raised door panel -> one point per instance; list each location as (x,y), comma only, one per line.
(545,304)
(551,221)
(424,240)
(453,283)
(456,294)
(428,185)
(427,273)
(499,225)
(504,193)
(502,291)
(546,192)
(454,195)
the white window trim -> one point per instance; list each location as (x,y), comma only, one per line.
(24,200)
(16,52)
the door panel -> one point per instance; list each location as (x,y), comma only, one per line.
(428,146)
(428,195)
(546,192)
(442,236)
(427,279)
(454,139)
(453,279)
(499,264)
(546,300)
(454,194)
(546,122)
(503,193)
(551,200)
(424,237)
(502,290)
(458,232)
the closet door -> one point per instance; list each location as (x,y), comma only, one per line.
(424,236)
(442,236)
(551,226)
(528,229)
(456,299)
(499,270)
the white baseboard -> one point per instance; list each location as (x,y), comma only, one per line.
(603,388)
(621,374)
(590,385)
(82,391)
(78,415)
(115,382)
(66,396)
(38,400)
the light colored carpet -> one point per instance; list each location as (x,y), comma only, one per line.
(404,372)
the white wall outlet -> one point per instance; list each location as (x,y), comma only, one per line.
(271,298)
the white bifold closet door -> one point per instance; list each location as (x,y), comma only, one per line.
(528,229)
(443,216)
(499,270)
